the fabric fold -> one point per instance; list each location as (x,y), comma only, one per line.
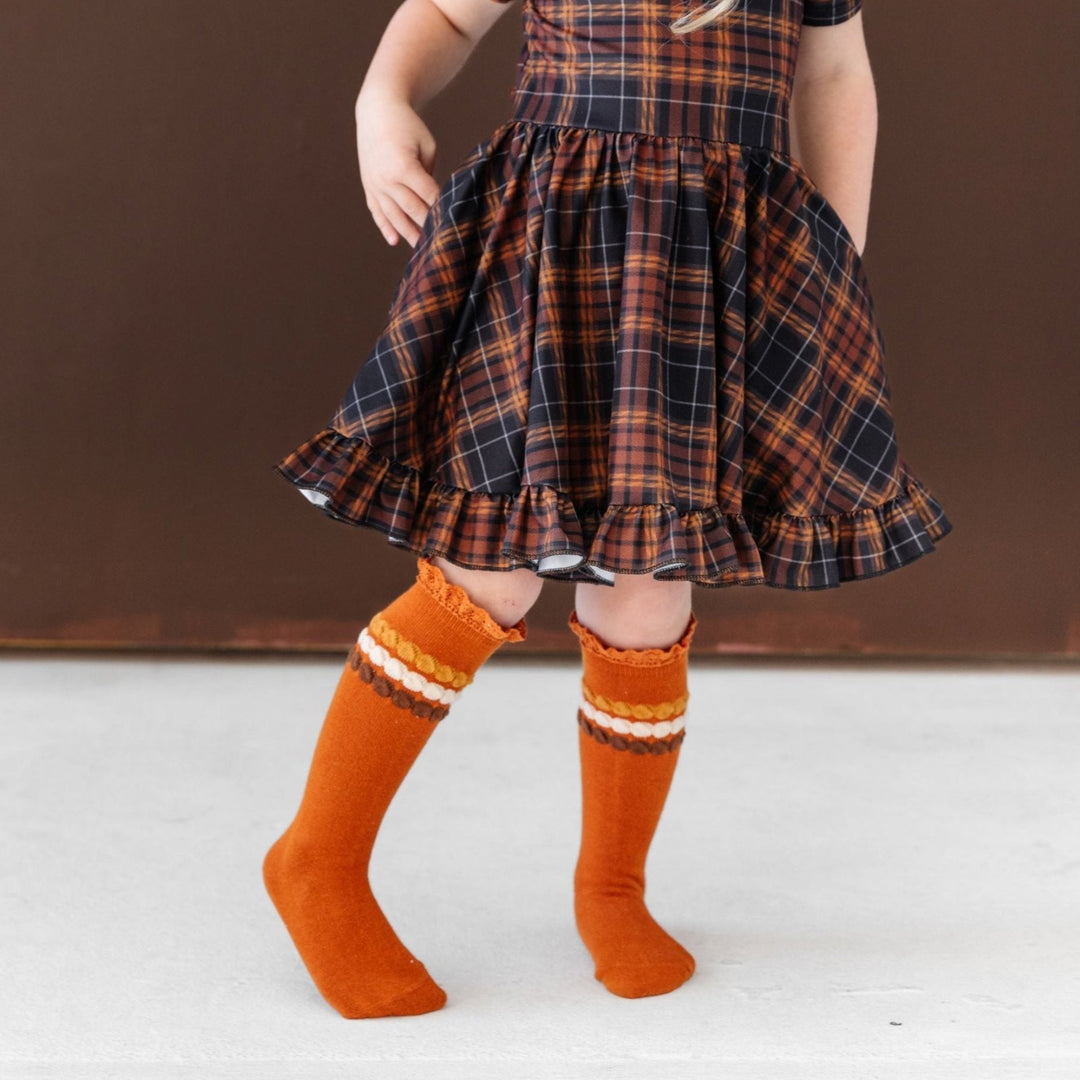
(614,351)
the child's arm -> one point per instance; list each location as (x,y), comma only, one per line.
(425,44)
(833,118)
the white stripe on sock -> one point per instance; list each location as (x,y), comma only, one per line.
(398,669)
(638,728)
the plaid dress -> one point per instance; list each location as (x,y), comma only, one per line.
(633,336)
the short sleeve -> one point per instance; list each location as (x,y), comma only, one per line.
(829,12)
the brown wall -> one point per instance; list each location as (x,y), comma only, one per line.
(190,277)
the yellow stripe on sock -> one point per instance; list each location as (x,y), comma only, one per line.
(639,729)
(664,710)
(414,656)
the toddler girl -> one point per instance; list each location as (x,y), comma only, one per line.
(634,347)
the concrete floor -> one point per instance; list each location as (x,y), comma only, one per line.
(878,870)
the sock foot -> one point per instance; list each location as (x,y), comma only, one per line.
(633,955)
(350,950)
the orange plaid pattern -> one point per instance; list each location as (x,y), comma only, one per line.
(634,335)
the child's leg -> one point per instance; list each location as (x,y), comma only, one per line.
(411,661)
(630,728)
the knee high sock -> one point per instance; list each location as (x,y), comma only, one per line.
(411,661)
(630,728)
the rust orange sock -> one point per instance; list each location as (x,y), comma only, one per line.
(630,728)
(411,661)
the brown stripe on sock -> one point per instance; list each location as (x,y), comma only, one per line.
(388,688)
(629,742)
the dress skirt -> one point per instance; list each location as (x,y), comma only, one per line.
(634,336)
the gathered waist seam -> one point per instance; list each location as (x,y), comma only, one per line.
(752,125)
(673,137)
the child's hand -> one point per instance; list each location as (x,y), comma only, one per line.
(396,153)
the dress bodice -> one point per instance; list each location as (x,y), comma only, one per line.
(617,65)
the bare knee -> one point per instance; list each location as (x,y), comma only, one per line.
(506,594)
(637,612)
